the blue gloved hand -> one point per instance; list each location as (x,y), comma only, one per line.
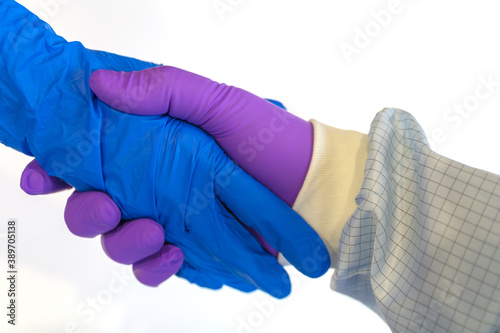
(136,242)
(153,167)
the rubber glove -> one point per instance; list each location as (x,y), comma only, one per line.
(93,213)
(274,146)
(154,167)
(88,214)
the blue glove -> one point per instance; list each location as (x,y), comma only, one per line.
(153,167)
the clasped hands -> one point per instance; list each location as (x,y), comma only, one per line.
(255,133)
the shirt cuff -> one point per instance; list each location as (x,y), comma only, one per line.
(327,198)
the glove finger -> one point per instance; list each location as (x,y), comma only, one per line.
(35,180)
(200,266)
(156,91)
(88,214)
(239,253)
(153,91)
(133,241)
(259,208)
(160,266)
(207,279)
(271,144)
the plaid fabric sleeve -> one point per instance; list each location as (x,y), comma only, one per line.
(423,246)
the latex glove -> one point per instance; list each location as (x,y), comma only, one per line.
(154,167)
(271,144)
(93,213)
(88,214)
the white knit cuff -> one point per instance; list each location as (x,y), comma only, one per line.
(326,200)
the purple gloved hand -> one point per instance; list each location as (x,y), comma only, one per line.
(88,214)
(272,145)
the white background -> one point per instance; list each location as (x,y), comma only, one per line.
(424,57)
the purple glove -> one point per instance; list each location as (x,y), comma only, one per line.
(272,145)
(88,214)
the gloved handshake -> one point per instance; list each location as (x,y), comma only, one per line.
(162,191)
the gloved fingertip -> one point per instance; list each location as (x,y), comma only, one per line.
(280,294)
(173,256)
(89,214)
(105,213)
(133,241)
(311,257)
(321,258)
(143,276)
(109,86)
(131,92)
(34,181)
(283,289)
(99,80)
(159,267)
(152,235)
